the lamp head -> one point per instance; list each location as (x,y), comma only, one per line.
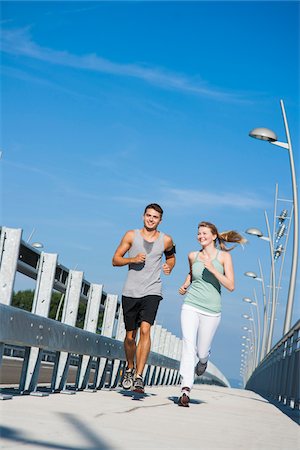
(250,274)
(37,245)
(254,232)
(247,300)
(264,134)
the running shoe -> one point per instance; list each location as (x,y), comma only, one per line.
(200,368)
(184,399)
(128,379)
(138,384)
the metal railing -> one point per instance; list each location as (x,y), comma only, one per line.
(98,359)
(277,376)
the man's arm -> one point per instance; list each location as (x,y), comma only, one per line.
(170,255)
(126,243)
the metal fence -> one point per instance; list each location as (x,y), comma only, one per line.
(277,376)
(96,360)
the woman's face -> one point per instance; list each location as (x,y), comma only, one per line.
(205,236)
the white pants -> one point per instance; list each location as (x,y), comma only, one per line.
(198,331)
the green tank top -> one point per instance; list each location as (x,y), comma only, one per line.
(205,290)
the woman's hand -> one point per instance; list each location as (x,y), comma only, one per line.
(183,289)
(208,264)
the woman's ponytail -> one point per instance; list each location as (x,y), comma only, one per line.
(230,236)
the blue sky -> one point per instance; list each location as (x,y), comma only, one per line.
(109,106)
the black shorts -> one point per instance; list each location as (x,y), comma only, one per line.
(137,310)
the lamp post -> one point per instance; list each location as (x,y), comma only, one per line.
(268,135)
(265,314)
(259,234)
(252,339)
(252,304)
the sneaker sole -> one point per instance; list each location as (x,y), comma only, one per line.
(185,403)
(139,390)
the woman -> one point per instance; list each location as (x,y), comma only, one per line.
(210,268)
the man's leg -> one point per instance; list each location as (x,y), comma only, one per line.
(130,348)
(143,347)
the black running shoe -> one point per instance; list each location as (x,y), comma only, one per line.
(138,384)
(128,378)
(200,368)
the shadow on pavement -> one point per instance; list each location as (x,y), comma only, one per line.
(14,435)
(135,395)
(192,401)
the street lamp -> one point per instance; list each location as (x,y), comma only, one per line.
(252,304)
(259,234)
(37,245)
(268,135)
(265,315)
(252,339)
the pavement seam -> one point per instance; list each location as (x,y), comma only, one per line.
(133,409)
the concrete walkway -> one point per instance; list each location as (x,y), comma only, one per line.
(218,418)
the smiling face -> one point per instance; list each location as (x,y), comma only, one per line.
(152,219)
(205,236)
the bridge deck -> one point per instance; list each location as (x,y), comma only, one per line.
(218,418)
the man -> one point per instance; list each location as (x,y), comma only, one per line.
(142,291)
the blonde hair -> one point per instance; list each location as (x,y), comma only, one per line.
(225,236)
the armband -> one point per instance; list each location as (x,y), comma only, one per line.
(170,252)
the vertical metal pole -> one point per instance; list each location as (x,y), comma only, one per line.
(154,348)
(40,306)
(273,284)
(258,329)
(9,252)
(290,300)
(120,336)
(69,316)
(107,330)
(265,322)
(160,349)
(90,324)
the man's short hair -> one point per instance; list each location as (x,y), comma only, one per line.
(156,207)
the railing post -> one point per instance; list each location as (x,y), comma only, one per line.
(154,348)
(178,357)
(10,240)
(40,306)
(160,350)
(172,354)
(69,316)
(107,330)
(166,352)
(119,366)
(90,324)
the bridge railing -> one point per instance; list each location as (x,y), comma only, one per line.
(277,376)
(98,359)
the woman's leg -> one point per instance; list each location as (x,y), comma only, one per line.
(189,327)
(207,327)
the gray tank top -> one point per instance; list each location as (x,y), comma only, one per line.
(144,278)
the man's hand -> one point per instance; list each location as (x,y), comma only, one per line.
(139,258)
(166,269)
